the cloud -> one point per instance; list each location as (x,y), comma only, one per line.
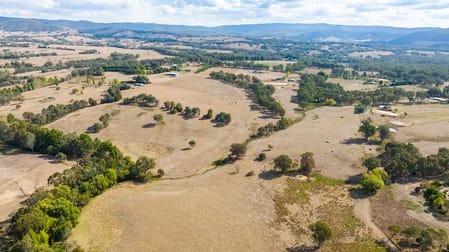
(404,13)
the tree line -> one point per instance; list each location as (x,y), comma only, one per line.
(262,93)
(54,112)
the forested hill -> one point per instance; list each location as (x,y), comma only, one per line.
(308,32)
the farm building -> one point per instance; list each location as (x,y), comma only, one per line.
(172,74)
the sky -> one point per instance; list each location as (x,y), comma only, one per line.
(399,13)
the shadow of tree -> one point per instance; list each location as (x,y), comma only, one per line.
(354,179)
(303,248)
(149,125)
(269,175)
(353,140)
(358,193)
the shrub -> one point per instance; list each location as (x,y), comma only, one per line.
(160,172)
(359,109)
(321,232)
(60,157)
(159,118)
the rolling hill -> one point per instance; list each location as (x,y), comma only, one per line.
(306,32)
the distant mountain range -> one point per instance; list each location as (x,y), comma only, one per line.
(306,32)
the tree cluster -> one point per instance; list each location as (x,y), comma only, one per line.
(223,118)
(49,216)
(142,100)
(173,107)
(14,94)
(270,128)
(402,160)
(113,94)
(54,112)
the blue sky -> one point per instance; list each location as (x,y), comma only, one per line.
(402,13)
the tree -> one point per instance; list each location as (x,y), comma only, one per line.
(367,128)
(238,150)
(29,140)
(321,232)
(141,79)
(159,118)
(283,162)
(139,171)
(113,94)
(192,144)
(307,163)
(384,132)
(371,163)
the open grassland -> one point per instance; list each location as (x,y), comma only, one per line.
(350,85)
(429,126)
(213,212)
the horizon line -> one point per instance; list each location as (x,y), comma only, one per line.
(222,25)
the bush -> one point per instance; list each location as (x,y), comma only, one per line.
(105,119)
(373,182)
(359,109)
(321,232)
(261,157)
(160,172)
(60,157)
(159,118)
(209,115)
(97,127)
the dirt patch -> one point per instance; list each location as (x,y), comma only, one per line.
(387,211)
